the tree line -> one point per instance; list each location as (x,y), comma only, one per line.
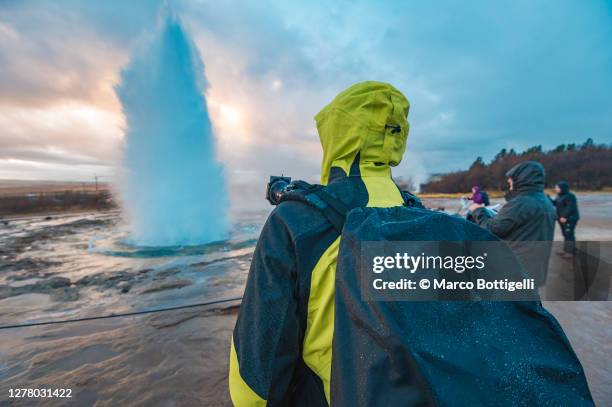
(587,166)
(55,201)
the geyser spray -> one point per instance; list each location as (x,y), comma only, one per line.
(172,186)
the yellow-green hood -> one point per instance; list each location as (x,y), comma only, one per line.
(369,118)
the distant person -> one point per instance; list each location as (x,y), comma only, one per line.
(527,216)
(478,197)
(567,216)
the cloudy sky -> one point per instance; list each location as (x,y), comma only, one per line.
(480,77)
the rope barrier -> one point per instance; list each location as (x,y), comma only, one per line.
(127,314)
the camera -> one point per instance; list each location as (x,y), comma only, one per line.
(277,186)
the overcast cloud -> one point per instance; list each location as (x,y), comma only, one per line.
(479,76)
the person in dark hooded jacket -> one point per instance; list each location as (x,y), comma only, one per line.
(281,351)
(528,216)
(292,344)
(567,214)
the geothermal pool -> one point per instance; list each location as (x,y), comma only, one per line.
(80,265)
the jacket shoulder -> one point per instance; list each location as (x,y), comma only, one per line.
(299,218)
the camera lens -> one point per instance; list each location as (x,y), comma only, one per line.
(276,188)
(276,191)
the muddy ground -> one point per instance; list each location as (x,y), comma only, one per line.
(171,359)
(181,358)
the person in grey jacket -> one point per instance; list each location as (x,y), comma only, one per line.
(528,216)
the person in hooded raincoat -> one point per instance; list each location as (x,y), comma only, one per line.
(281,351)
(528,216)
(284,346)
(567,215)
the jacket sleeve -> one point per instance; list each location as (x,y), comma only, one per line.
(503,223)
(265,344)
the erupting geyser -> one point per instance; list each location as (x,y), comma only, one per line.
(172,185)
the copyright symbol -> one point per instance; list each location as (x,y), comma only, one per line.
(424,284)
